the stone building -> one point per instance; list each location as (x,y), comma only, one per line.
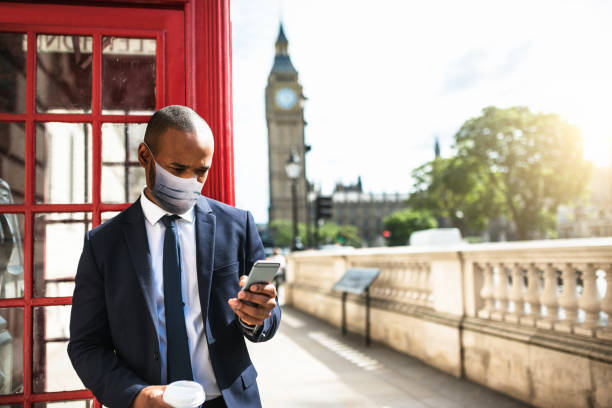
(366,211)
(285,119)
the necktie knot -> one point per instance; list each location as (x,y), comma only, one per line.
(169,220)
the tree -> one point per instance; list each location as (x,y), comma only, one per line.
(282,232)
(533,162)
(401,224)
(332,233)
(454,189)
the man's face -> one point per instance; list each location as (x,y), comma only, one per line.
(184,154)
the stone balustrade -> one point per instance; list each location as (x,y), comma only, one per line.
(406,281)
(551,288)
(530,319)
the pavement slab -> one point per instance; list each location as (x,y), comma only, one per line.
(310,364)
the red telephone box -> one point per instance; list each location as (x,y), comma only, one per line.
(78,83)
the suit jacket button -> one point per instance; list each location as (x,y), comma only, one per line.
(156,355)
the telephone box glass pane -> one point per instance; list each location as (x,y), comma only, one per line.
(58,242)
(63,73)
(64,404)
(128,75)
(63,163)
(108,215)
(11,350)
(11,256)
(122,177)
(13,48)
(12,163)
(51,368)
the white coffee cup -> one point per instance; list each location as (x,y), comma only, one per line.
(184,394)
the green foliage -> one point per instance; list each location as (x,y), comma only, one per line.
(332,233)
(509,162)
(282,232)
(455,189)
(403,223)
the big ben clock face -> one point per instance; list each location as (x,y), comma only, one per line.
(286,98)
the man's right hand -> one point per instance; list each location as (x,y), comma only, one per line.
(151,396)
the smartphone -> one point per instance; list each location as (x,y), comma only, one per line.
(262,272)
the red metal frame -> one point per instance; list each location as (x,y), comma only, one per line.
(195,70)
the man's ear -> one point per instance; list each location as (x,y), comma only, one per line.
(145,159)
(144,155)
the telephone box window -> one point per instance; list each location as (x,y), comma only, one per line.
(128,76)
(12,162)
(122,177)
(13,48)
(63,172)
(11,350)
(11,257)
(58,241)
(63,73)
(51,367)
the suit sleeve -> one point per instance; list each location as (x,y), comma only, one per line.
(254,251)
(90,347)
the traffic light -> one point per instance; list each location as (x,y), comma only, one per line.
(324,207)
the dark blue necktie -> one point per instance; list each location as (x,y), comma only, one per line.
(177,359)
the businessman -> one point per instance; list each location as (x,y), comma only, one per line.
(157,295)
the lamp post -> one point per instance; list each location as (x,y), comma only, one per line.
(292,168)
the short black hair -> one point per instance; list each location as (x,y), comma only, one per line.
(174,116)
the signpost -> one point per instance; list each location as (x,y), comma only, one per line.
(357,281)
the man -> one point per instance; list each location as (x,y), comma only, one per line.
(157,295)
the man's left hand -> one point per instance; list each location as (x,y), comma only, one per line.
(263,297)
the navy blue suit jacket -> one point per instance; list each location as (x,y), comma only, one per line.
(114,346)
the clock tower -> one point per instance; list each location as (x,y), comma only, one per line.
(285,118)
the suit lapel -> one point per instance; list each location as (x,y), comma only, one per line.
(205,249)
(135,235)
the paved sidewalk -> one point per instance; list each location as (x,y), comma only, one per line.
(310,364)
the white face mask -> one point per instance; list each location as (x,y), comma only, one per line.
(176,194)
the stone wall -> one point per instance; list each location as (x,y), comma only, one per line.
(497,314)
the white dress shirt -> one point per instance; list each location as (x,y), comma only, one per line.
(198,346)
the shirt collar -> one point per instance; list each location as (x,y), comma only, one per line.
(153,213)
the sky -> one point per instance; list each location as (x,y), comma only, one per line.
(384,78)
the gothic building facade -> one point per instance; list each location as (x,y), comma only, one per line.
(366,211)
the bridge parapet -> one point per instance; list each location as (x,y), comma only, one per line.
(528,318)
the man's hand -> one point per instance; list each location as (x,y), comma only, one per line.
(262,295)
(151,397)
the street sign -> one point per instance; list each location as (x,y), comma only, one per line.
(357,280)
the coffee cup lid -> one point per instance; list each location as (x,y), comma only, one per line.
(184,394)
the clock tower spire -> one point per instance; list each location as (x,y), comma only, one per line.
(285,119)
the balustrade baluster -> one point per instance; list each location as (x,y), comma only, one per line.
(424,284)
(401,282)
(386,281)
(589,301)
(532,296)
(486,293)
(516,294)
(398,280)
(501,293)
(414,282)
(392,281)
(568,300)
(549,298)
(606,305)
